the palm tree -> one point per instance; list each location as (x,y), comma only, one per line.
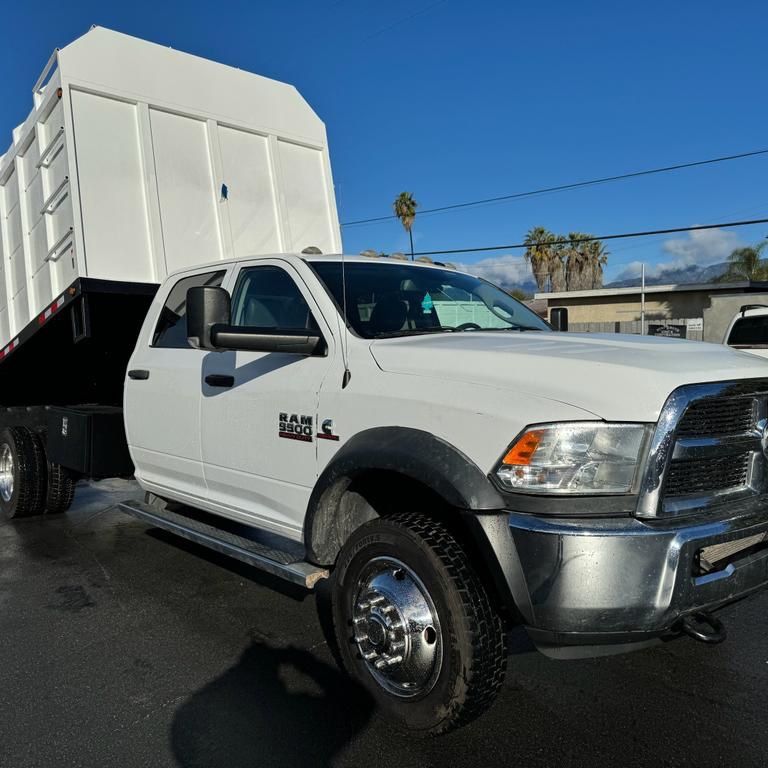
(577,261)
(540,254)
(557,274)
(746,264)
(585,259)
(405,210)
(598,259)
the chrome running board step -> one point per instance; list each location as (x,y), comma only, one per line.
(283,563)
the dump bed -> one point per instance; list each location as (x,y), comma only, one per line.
(138,160)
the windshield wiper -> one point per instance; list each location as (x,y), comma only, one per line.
(513,328)
(415,332)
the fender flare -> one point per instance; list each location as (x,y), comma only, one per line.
(413,453)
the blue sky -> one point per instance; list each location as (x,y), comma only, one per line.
(455,101)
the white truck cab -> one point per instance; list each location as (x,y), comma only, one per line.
(748,330)
(451,463)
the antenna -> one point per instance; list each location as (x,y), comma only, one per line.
(345,330)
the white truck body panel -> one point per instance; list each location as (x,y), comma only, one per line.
(595,371)
(473,390)
(138,160)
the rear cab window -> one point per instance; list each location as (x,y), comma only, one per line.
(749,331)
(171,327)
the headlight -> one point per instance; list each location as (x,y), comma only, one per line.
(575,457)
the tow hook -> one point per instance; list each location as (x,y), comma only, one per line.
(703,627)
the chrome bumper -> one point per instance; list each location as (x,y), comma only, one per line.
(602,581)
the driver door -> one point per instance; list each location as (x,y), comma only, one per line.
(259,409)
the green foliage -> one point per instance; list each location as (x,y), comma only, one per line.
(405,207)
(565,264)
(746,264)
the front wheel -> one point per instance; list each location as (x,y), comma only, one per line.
(415,625)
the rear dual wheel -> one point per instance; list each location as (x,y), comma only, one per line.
(60,489)
(415,625)
(23,473)
(29,483)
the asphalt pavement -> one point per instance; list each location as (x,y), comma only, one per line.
(121,645)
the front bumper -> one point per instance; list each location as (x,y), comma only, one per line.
(601,582)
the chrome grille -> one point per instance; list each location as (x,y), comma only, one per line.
(717,473)
(719,416)
(707,449)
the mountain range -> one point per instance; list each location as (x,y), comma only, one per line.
(683,275)
(690,274)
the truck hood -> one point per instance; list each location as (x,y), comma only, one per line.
(616,377)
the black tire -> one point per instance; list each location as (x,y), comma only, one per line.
(28,471)
(60,491)
(470,634)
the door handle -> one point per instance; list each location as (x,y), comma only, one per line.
(139,374)
(219,380)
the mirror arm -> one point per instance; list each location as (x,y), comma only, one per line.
(231,337)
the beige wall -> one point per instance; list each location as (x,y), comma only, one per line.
(717,319)
(625,308)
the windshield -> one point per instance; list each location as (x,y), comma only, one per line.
(386,300)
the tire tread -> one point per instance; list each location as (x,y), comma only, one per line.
(485,674)
(32,471)
(60,492)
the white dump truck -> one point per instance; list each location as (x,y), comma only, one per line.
(409,432)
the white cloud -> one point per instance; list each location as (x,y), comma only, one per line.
(507,271)
(701,248)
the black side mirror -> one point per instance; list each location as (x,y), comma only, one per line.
(559,318)
(209,327)
(206,306)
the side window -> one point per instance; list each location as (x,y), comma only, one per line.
(171,328)
(267,297)
(750,331)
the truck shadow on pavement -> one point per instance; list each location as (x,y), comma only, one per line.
(275,707)
(229,564)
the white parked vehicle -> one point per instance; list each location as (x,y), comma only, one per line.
(748,330)
(408,431)
(453,480)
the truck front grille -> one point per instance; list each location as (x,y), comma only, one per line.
(707,475)
(718,417)
(707,449)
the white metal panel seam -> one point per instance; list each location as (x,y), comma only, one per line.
(275,167)
(151,193)
(74,187)
(21,176)
(6,273)
(220,203)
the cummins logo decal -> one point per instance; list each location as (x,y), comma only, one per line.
(294,426)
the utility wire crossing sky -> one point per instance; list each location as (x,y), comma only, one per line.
(573,185)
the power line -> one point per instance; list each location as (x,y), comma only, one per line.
(573,185)
(402,21)
(589,238)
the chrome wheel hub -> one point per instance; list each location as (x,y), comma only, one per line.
(6,472)
(396,628)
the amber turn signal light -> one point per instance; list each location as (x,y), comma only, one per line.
(524,448)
